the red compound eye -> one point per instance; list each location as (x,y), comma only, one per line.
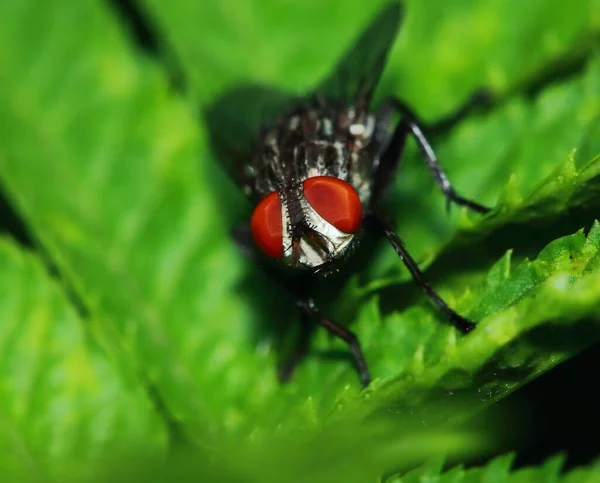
(267,227)
(335,200)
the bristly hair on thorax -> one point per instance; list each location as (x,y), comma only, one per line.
(315,140)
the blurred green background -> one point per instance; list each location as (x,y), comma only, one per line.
(131,326)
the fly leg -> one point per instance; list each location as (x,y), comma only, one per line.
(299,291)
(310,311)
(408,125)
(308,306)
(385,228)
(286,368)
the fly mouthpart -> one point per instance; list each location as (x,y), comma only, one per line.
(312,249)
(319,243)
(296,253)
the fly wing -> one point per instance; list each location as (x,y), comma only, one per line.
(235,122)
(357,74)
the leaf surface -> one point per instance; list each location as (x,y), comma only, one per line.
(68,403)
(113,175)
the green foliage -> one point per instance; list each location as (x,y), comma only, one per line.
(111,172)
(456,47)
(531,318)
(533,157)
(498,470)
(64,397)
(321,459)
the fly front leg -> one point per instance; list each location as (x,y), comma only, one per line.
(287,367)
(385,228)
(307,305)
(310,313)
(409,125)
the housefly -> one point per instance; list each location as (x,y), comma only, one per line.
(314,168)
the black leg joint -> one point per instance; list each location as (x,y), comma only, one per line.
(409,124)
(384,227)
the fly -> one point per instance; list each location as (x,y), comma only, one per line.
(314,169)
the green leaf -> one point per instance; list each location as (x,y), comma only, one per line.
(444,52)
(531,317)
(67,402)
(519,158)
(498,471)
(101,160)
(316,458)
